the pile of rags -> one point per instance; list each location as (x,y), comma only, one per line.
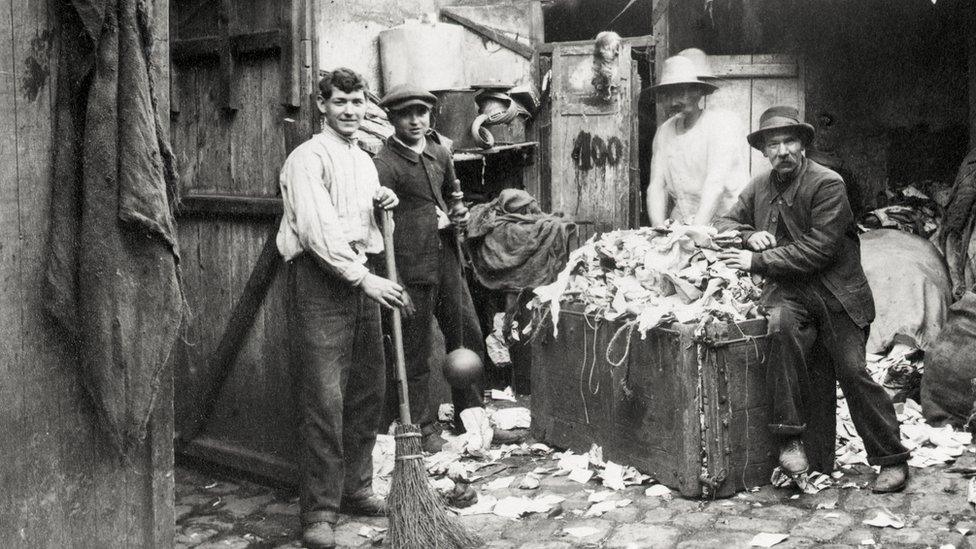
(653,276)
(513,245)
(909,209)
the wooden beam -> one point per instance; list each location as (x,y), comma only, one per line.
(229,206)
(257,42)
(659,10)
(233,456)
(750,70)
(291,53)
(188,49)
(241,320)
(632,41)
(228,71)
(661,28)
(524,50)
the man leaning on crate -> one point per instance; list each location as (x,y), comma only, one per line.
(799,233)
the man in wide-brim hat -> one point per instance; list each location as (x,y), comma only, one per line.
(698,162)
(800,235)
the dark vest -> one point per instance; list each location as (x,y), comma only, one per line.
(420,181)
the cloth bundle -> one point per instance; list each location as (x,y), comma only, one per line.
(513,245)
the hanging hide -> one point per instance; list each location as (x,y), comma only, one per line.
(112,280)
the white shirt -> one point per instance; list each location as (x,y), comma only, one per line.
(712,152)
(327,187)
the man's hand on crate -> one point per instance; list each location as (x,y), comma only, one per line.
(737,259)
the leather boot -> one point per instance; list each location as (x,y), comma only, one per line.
(792,457)
(502,436)
(432,442)
(319,535)
(891,478)
(370,506)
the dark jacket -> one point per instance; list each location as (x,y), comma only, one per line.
(421,182)
(824,247)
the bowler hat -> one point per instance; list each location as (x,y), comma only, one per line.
(780,118)
(402,96)
(681,71)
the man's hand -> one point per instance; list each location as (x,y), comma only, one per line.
(459,213)
(761,240)
(385,198)
(408,309)
(737,259)
(461,221)
(387,293)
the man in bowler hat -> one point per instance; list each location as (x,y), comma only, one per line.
(799,233)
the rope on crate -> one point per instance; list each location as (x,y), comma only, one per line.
(628,327)
(596,331)
(586,412)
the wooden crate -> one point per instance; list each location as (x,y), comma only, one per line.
(691,412)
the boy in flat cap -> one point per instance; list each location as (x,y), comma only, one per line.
(421,173)
(800,234)
(328,235)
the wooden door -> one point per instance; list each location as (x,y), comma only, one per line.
(592,141)
(750,84)
(240,69)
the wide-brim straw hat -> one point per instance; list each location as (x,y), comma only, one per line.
(702,66)
(681,71)
(780,118)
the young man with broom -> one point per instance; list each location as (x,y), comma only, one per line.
(329,237)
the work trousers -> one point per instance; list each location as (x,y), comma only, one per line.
(337,343)
(448,300)
(804,315)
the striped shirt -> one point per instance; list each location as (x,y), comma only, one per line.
(327,186)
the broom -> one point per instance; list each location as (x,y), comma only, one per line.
(418,518)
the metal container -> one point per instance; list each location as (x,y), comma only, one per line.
(424,54)
(455,112)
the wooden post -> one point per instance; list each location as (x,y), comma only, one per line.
(660,19)
(227,24)
(971,50)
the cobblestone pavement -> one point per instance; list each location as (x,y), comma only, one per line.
(216,512)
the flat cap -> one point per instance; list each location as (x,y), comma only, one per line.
(404,95)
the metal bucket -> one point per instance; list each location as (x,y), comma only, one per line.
(423,54)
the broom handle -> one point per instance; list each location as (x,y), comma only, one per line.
(401,361)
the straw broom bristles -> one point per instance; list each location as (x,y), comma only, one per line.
(418,517)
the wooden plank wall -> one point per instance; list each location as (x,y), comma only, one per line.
(60,485)
(236,153)
(750,84)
